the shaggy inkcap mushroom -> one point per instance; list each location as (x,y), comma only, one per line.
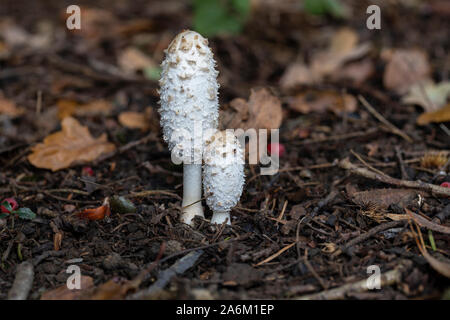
(223,174)
(189,110)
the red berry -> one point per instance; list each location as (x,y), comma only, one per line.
(87,171)
(12,202)
(445,184)
(276,148)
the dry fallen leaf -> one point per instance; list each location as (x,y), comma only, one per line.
(68,108)
(383,198)
(98,213)
(134,120)
(73,145)
(322,101)
(428,95)
(64,293)
(343,48)
(10,109)
(131,60)
(296,74)
(405,68)
(357,72)
(441,115)
(262,111)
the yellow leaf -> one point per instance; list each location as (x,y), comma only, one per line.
(441,115)
(73,145)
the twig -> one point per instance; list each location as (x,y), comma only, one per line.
(401,163)
(22,282)
(338,137)
(388,278)
(437,190)
(313,272)
(166,275)
(154,192)
(275,254)
(428,224)
(128,146)
(445,129)
(366,164)
(372,232)
(383,120)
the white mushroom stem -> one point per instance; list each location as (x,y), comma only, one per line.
(192,192)
(220,217)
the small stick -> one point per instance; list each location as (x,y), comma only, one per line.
(282,212)
(437,190)
(22,282)
(383,120)
(39,102)
(166,275)
(388,278)
(154,192)
(401,163)
(275,254)
(372,232)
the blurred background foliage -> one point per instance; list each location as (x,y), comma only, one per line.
(212,17)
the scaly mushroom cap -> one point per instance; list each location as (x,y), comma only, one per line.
(223,171)
(189,92)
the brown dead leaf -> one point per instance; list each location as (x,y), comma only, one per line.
(131,60)
(262,111)
(442,115)
(405,67)
(357,72)
(134,120)
(343,48)
(296,74)
(10,109)
(383,198)
(113,289)
(64,293)
(68,108)
(73,145)
(322,101)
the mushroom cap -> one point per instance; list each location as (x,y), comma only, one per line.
(189,93)
(223,171)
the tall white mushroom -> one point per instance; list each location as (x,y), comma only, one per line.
(223,174)
(189,110)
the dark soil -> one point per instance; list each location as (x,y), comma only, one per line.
(319,214)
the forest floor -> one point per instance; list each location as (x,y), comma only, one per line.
(364,154)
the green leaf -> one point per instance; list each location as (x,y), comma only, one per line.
(212,17)
(324,7)
(152,73)
(431,238)
(7,206)
(25,213)
(3,215)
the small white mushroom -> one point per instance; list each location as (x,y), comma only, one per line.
(223,174)
(189,110)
